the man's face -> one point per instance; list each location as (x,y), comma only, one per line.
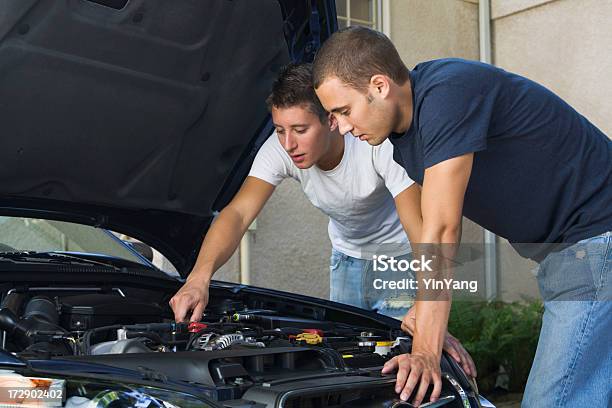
(301,134)
(367,115)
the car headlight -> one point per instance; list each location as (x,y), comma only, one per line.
(122,395)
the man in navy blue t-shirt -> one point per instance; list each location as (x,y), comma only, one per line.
(515,158)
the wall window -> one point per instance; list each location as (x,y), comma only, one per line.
(359,12)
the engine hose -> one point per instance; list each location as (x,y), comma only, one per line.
(156,338)
(252,318)
(226,326)
(275,333)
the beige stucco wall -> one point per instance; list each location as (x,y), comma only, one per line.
(423,29)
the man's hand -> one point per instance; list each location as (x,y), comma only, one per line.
(192,296)
(451,345)
(416,371)
(456,350)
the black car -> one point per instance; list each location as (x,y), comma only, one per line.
(143,117)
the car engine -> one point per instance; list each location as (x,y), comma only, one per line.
(244,348)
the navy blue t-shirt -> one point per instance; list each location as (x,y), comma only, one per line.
(542,173)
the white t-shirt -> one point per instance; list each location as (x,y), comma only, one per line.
(357,194)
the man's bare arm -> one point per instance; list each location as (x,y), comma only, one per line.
(220,242)
(442,195)
(408,206)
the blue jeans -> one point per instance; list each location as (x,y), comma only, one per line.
(351,282)
(573,361)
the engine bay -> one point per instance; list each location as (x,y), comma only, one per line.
(246,347)
(109,323)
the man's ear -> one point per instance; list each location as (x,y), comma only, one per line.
(333,123)
(379,85)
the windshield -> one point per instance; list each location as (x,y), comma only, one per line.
(28,234)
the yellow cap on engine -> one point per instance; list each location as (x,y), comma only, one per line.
(309,338)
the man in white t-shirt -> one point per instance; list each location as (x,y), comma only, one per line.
(351,182)
(357,185)
(356,190)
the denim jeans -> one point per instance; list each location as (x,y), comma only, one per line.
(573,361)
(351,282)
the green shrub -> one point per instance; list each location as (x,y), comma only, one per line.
(498,333)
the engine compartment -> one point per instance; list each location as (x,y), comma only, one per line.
(246,347)
(109,323)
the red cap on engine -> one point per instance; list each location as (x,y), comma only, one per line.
(195,327)
(314,331)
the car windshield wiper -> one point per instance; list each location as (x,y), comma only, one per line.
(90,260)
(55,257)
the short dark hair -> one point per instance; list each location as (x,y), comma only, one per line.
(354,54)
(293,87)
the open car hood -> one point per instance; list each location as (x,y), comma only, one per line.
(141,116)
